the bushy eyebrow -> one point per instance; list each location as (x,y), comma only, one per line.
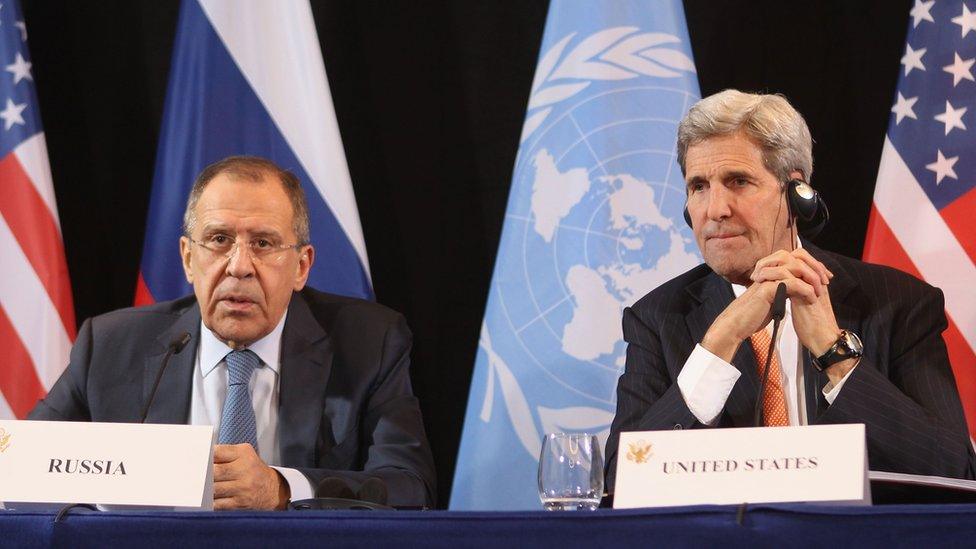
(212,228)
(726,176)
(738,174)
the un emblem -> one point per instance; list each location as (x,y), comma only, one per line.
(593,224)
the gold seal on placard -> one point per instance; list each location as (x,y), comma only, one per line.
(639,451)
(4,439)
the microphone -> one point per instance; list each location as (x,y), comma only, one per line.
(174,348)
(777,311)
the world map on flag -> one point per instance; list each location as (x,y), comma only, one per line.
(594,223)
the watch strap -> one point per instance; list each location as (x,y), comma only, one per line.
(842,349)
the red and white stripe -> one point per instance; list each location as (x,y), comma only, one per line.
(907,232)
(37,319)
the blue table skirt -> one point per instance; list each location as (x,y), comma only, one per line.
(699,526)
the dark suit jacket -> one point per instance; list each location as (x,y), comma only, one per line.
(346,408)
(903,389)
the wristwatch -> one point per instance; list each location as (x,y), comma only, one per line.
(848,345)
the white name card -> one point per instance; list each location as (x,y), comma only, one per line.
(106,463)
(816,463)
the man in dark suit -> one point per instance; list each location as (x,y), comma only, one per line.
(860,343)
(303,385)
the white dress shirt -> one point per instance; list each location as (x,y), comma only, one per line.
(706,380)
(210,391)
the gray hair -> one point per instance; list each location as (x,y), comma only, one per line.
(770,120)
(254,169)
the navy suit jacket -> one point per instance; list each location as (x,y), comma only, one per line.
(346,407)
(903,389)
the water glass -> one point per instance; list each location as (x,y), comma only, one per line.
(570,472)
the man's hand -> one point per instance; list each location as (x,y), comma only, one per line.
(243,481)
(806,282)
(743,317)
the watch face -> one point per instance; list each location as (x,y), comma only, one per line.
(853,343)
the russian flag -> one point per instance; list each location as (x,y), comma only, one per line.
(247,78)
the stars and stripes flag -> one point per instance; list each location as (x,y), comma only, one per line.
(37,318)
(922,220)
(247,78)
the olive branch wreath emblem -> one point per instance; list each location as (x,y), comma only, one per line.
(617,53)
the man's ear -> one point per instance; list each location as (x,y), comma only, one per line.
(185,257)
(306,257)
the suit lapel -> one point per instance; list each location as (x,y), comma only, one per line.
(172,401)
(714,294)
(306,362)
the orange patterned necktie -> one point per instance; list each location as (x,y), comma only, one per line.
(773,397)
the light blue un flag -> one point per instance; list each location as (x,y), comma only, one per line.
(593,223)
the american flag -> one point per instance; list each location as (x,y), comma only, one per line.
(37,319)
(924,216)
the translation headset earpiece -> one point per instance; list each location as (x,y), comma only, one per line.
(805,206)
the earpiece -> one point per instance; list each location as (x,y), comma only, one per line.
(807,208)
(804,205)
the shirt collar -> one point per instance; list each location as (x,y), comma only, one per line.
(213,350)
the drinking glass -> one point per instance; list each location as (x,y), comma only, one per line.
(570,472)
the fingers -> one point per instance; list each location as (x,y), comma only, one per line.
(226,489)
(257,488)
(227,504)
(820,268)
(783,257)
(226,471)
(783,265)
(799,289)
(783,273)
(225,453)
(242,480)
(234,500)
(232,461)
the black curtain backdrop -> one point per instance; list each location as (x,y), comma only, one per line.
(430,98)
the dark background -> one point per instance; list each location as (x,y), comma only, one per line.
(430,97)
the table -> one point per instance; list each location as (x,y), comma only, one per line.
(698,526)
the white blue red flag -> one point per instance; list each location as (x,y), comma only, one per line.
(247,78)
(923,220)
(37,318)
(593,223)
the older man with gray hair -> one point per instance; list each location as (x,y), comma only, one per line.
(860,343)
(304,388)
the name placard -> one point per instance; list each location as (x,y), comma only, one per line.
(821,463)
(106,463)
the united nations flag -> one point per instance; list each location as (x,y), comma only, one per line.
(593,223)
